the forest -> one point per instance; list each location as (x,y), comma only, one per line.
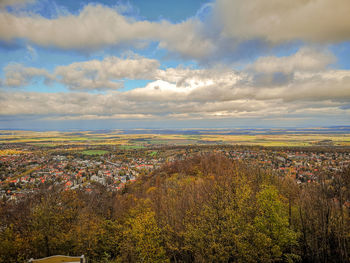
(206,208)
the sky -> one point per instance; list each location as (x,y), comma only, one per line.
(174,64)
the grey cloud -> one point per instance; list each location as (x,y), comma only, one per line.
(305,59)
(272,79)
(278,21)
(58,103)
(15,3)
(345,107)
(115,105)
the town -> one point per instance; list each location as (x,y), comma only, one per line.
(26,168)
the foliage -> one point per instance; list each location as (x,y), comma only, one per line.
(203,209)
(143,241)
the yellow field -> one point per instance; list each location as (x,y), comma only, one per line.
(52,139)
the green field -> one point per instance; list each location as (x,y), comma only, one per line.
(131,147)
(154,153)
(94,152)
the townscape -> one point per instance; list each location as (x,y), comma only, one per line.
(25,169)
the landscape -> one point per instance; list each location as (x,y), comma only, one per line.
(174,131)
(133,195)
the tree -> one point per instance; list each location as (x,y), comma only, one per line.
(272,226)
(142,238)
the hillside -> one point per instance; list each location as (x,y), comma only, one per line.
(203,209)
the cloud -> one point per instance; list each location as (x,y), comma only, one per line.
(310,90)
(274,71)
(306,59)
(105,74)
(226,30)
(275,21)
(17,75)
(102,117)
(32,54)
(178,84)
(15,3)
(75,106)
(98,26)
(102,75)
(332,84)
(301,77)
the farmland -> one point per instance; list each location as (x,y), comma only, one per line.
(129,141)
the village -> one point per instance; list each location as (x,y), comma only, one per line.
(27,169)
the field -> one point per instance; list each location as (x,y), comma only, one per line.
(94,152)
(126,141)
(10,152)
(131,146)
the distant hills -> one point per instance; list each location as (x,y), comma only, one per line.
(218,131)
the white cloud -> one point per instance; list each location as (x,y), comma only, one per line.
(101,75)
(88,75)
(232,23)
(98,26)
(185,93)
(16,75)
